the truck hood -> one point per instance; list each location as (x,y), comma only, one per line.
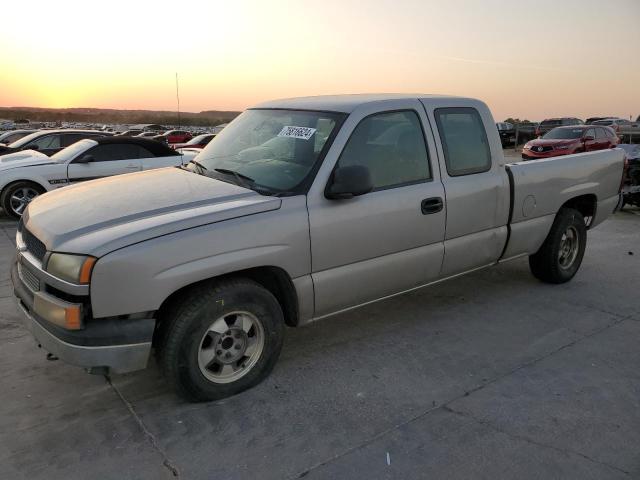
(101,216)
(23,158)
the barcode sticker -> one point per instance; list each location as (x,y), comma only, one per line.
(304,133)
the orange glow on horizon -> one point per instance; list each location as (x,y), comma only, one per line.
(230,55)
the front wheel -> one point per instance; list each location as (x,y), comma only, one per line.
(560,256)
(16,196)
(220,339)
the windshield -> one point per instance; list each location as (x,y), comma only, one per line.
(276,149)
(24,140)
(71,151)
(548,123)
(603,122)
(563,133)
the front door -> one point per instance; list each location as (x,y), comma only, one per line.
(388,240)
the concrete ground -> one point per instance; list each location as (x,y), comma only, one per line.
(492,375)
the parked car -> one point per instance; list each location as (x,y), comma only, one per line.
(130,133)
(207,264)
(11,136)
(507,133)
(616,124)
(200,141)
(631,179)
(160,138)
(570,140)
(525,131)
(25,175)
(551,123)
(590,120)
(177,136)
(49,142)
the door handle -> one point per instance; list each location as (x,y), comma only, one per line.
(132,166)
(431,205)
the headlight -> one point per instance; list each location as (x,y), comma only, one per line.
(72,268)
(527,147)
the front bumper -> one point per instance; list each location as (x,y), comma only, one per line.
(120,345)
(531,155)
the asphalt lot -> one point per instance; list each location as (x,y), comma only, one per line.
(492,375)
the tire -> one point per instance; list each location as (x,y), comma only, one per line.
(203,360)
(22,189)
(560,256)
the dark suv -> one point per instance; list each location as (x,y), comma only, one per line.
(551,123)
(50,141)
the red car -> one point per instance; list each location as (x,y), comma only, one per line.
(177,136)
(568,140)
(200,141)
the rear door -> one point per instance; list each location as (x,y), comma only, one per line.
(476,187)
(602,141)
(108,159)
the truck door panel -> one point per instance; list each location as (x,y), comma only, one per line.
(476,188)
(379,243)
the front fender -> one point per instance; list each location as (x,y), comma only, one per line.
(138,278)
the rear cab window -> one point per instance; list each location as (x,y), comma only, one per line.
(464,141)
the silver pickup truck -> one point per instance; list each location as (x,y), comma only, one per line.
(300,209)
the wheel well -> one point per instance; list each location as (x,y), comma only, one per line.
(274,279)
(4,189)
(585,204)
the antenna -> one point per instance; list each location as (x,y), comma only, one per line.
(178,99)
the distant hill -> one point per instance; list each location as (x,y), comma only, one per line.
(108,115)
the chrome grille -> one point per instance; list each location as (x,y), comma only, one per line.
(34,246)
(28,278)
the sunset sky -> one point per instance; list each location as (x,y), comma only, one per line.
(530,59)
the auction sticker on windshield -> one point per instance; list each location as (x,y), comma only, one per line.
(304,133)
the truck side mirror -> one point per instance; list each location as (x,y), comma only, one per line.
(84,159)
(348,182)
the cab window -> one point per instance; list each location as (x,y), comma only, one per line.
(392,146)
(464,141)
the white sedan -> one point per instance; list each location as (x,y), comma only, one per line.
(26,174)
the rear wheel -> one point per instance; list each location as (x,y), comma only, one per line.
(220,339)
(16,196)
(560,256)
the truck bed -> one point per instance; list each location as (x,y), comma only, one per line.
(539,188)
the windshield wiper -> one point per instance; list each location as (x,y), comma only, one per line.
(242,179)
(199,165)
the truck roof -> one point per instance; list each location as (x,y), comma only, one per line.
(344,103)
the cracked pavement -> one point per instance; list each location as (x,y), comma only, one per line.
(491,375)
